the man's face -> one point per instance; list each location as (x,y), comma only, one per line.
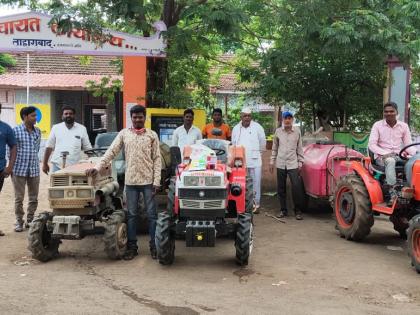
(68,116)
(390,114)
(246,119)
(30,119)
(188,119)
(217,117)
(138,120)
(288,121)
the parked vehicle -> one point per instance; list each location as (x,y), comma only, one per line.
(210,195)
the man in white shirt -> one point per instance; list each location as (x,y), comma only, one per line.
(186,134)
(68,136)
(251,135)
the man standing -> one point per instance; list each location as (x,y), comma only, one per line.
(386,140)
(287,157)
(26,169)
(68,136)
(217,129)
(142,175)
(250,134)
(186,134)
(7,139)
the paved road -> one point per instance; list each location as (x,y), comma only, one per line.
(296,268)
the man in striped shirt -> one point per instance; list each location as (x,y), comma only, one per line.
(26,168)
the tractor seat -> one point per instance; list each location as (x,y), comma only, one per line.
(104,140)
(399,166)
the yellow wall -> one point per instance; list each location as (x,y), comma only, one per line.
(43,118)
(199,115)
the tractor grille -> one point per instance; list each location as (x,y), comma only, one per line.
(79,181)
(206,204)
(60,180)
(185,193)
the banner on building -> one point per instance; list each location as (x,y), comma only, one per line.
(31,32)
(43,118)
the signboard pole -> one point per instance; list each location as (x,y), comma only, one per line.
(27,79)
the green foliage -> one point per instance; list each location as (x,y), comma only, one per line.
(6,60)
(106,88)
(415,100)
(329,55)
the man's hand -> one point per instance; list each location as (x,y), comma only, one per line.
(46,168)
(155,189)
(7,171)
(271,168)
(406,155)
(91,172)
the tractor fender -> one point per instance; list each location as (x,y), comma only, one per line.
(372,185)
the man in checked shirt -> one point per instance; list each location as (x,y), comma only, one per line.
(143,167)
(26,168)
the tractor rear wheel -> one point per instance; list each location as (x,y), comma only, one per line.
(413,233)
(115,236)
(41,243)
(244,238)
(165,239)
(352,208)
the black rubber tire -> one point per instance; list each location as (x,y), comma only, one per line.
(244,238)
(413,238)
(171,197)
(362,219)
(115,236)
(165,239)
(40,242)
(249,195)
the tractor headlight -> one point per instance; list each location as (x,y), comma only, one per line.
(56,194)
(213,181)
(83,193)
(191,180)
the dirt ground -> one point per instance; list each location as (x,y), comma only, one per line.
(296,268)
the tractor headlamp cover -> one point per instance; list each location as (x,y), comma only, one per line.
(56,194)
(83,193)
(213,181)
(191,180)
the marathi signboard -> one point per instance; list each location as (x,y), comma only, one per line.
(31,32)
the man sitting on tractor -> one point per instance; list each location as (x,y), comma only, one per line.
(385,141)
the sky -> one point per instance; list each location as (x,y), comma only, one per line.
(7,10)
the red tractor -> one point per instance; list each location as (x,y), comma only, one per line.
(355,186)
(362,193)
(209,196)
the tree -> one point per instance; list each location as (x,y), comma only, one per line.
(107,88)
(6,61)
(329,55)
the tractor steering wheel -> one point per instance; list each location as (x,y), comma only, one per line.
(405,148)
(98,152)
(219,152)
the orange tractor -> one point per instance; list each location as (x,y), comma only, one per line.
(361,193)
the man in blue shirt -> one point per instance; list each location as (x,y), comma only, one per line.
(7,139)
(26,169)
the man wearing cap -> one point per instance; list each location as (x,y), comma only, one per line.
(287,157)
(250,134)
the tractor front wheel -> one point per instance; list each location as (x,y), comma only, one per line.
(41,243)
(165,239)
(413,233)
(352,208)
(115,236)
(244,238)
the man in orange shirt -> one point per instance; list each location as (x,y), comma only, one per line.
(217,129)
